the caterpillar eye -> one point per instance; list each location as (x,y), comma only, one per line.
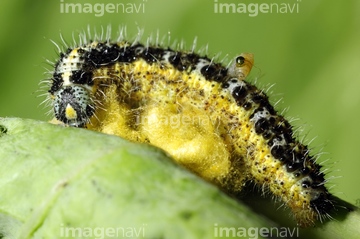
(73,106)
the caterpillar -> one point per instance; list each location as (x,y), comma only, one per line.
(207,116)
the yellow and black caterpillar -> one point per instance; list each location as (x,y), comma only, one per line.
(205,115)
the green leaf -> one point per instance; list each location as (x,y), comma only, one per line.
(61,182)
(54,178)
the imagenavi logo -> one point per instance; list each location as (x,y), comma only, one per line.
(99,9)
(254,9)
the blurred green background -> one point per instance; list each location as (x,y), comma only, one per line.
(311,57)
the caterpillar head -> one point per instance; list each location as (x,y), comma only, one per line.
(73,105)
